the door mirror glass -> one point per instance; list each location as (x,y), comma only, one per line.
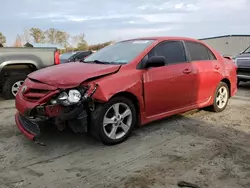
(155,61)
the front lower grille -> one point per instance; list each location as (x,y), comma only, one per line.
(29,126)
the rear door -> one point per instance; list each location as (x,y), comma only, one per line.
(208,70)
(169,87)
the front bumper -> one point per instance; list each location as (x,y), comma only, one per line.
(30,129)
(76,118)
(30,111)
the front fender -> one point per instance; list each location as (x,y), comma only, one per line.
(129,81)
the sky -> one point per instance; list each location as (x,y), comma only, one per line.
(104,20)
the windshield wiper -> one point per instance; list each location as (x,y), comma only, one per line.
(102,62)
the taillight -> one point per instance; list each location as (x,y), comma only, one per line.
(57,58)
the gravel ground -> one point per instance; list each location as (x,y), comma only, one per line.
(208,149)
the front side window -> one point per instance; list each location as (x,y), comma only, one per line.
(199,52)
(120,53)
(173,51)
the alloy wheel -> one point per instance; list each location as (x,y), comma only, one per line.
(15,87)
(222,97)
(117,121)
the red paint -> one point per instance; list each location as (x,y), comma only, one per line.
(160,92)
(71,75)
(26,133)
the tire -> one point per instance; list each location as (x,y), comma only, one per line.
(101,132)
(216,107)
(10,82)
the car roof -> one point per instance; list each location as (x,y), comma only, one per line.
(161,38)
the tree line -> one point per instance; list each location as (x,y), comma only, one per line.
(53,36)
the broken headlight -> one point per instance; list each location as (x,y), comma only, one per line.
(72,97)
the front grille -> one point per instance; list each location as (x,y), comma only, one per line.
(35,94)
(29,126)
(36,90)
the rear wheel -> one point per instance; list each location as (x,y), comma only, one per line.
(113,122)
(12,85)
(221,97)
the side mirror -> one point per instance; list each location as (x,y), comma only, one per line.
(227,57)
(155,61)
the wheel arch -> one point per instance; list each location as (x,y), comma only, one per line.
(227,81)
(18,68)
(132,97)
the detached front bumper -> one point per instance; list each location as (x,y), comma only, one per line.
(30,129)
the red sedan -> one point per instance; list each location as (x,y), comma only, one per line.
(129,83)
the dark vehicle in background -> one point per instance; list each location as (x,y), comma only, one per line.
(74,56)
(17,63)
(243,65)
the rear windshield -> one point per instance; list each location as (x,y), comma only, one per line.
(121,52)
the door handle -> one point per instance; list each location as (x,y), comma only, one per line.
(217,67)
(187,71)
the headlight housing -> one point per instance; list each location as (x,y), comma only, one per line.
(72,97)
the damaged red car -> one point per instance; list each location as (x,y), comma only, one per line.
(129,83)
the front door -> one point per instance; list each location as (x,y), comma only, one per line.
(169,87)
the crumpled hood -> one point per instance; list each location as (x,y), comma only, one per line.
(72,74)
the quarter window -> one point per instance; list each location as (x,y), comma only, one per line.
(199,52)
(173,51)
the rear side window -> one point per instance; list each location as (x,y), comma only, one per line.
(173,51)
(199,52)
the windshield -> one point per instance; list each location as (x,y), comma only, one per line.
(67,55)
(119,53)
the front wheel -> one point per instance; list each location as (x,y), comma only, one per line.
(113,122)
(221,97)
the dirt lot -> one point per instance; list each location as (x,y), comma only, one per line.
(211,150)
